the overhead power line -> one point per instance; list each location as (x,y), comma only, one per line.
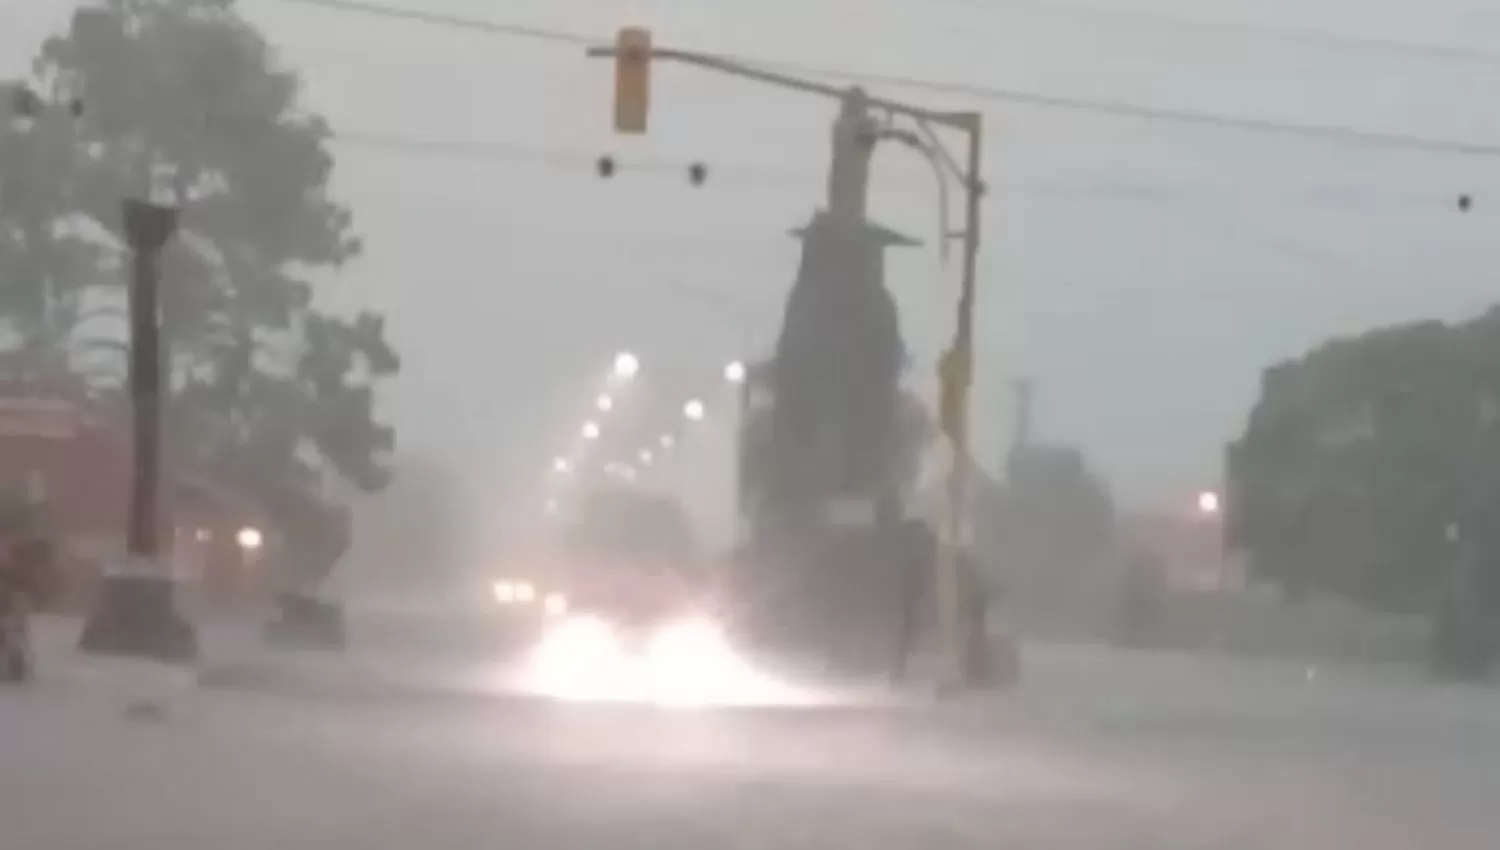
(1323,39)
(1121,109)
(762,174)
(453,21)
(1310,36)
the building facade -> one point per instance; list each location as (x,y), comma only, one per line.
(72,458)
(1190,549)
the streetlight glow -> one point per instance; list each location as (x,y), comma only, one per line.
(562,465)
(645,456)
(604,403)
(250,539)
(626,365)
(667,441)
(694,410)
(734,373)
(591,430)
(1208,503)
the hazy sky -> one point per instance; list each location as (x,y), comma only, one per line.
(1142,272)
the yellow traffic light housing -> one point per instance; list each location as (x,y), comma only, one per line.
(954,379)
(632,79)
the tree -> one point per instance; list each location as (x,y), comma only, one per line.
(1054,507)
(186,97)
(1049,524)
(45,271)
(1367,465)
(1352,464)
(409,536)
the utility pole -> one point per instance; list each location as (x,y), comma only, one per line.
(1025,396)
(136,611)
(147,228)
(633,53)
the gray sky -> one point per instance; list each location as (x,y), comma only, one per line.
(1142,272)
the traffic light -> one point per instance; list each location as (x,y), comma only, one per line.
(632,79)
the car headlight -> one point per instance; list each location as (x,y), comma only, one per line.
(696,643)
(504,591)
(508,592)
(578,645)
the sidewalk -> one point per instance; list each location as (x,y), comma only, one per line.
(232,656)
(62,666)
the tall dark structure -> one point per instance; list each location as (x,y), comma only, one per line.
(835,377)
(136,613)
(833,389)
(821,427)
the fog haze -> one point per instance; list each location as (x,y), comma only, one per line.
(1142,272)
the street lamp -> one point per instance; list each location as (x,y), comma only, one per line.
(734,372)
(1209,503)
(604,403)
(626,365)
(693,410)
(591,430)
(250,539)
(1210,506)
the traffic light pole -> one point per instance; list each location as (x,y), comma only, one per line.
(960,515)
(956,371)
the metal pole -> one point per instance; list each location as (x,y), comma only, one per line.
(1021,429)
(148,227)
(136,612)
(949,589)
(742,445)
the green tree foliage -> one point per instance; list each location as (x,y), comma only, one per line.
(1045,530)
(1358,457)
(45,270)
(1054,513)
(187,98)
(418,521)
